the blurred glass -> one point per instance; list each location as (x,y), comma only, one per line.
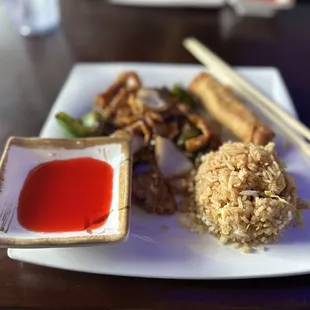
(34,17)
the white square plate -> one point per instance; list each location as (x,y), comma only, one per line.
(152,251)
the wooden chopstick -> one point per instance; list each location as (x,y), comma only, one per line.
(284,121)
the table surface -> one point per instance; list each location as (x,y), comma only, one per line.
(32,71)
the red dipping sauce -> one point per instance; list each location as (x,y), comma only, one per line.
(66,195)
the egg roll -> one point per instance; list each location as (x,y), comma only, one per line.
(229,110)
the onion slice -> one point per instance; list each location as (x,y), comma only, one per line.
(170,160)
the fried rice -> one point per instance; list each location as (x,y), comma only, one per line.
(243,195)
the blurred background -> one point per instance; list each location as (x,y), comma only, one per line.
(40,41)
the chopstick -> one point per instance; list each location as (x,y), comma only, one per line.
(286,123)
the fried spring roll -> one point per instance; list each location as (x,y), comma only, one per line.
(230,111)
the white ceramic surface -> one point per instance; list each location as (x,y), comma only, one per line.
(171,3)
(152,251)
(260,8)
(23,154)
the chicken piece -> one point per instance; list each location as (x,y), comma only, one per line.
(132,81)
(128,80)
(123,121)
(103,100)
(136,109)
(230,111)
(137,128)
(117,107)
(151,118)
(118,102)
(196,143)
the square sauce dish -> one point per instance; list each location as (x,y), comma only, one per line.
(64,192)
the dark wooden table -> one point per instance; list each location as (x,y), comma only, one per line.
(32,71)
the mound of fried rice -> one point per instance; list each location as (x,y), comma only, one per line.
(243,194)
